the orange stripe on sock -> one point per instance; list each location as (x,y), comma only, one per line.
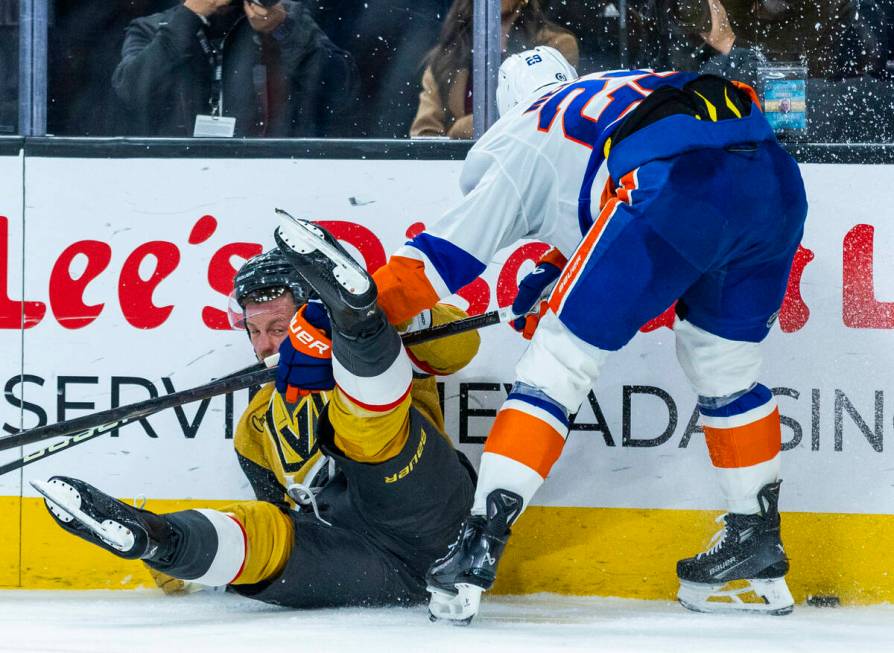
(525,439)
(404,290)
(744,446)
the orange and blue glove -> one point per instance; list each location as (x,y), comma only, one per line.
(532,289)
(305,356)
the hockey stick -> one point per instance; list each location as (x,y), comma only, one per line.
(88,427)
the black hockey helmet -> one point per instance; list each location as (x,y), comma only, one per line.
(263,278)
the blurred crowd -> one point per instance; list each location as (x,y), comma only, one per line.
(390,69)
(835,39)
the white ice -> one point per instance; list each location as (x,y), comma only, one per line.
(137,621)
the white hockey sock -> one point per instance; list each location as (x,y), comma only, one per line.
(230,555)
(500,472)
(374,373)
(740,485)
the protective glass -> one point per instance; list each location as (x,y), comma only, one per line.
(235,312)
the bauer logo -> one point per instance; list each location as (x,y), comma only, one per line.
(408,468)
(305,339)
(121,289)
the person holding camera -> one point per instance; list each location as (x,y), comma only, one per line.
(234,68)
(445,103)
(697,35)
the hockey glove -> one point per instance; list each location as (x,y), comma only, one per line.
(170,585)
(305,357)
(532,288)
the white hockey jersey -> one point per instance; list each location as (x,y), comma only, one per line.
(534,175)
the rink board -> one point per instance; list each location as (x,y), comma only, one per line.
(580,551)
(125,266)
(11,262)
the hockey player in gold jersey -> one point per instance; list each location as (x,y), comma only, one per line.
(358,488)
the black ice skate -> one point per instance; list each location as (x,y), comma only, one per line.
(346,289)
(126,531)
(744,570)
(457,580)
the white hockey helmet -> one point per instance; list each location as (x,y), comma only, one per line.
(526,72)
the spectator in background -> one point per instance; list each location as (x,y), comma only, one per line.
(445,103)
(280,75)
(720,49)
(835,38)
(9,67)
(693,35)
(838,38)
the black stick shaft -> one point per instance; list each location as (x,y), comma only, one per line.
(87,427)
(130,412)
(63,445)
(452,328)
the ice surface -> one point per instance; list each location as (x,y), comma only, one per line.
(97,622)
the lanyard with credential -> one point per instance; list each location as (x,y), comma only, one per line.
(215,59)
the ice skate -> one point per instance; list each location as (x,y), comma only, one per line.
(124,530)
(744,569)
(457,580)
(342,284)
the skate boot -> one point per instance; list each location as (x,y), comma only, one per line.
(124,530)
(342,284)
(744,570)
(457,580)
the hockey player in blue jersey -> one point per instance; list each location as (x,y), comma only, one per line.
(655,187)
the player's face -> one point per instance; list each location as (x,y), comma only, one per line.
(268,323)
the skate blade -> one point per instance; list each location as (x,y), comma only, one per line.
(64,502)
(756,595)
(458,609)
(304,238)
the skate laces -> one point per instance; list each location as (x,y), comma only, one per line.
(717,540)
(303,495)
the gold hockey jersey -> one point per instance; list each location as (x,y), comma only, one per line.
(276,441)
